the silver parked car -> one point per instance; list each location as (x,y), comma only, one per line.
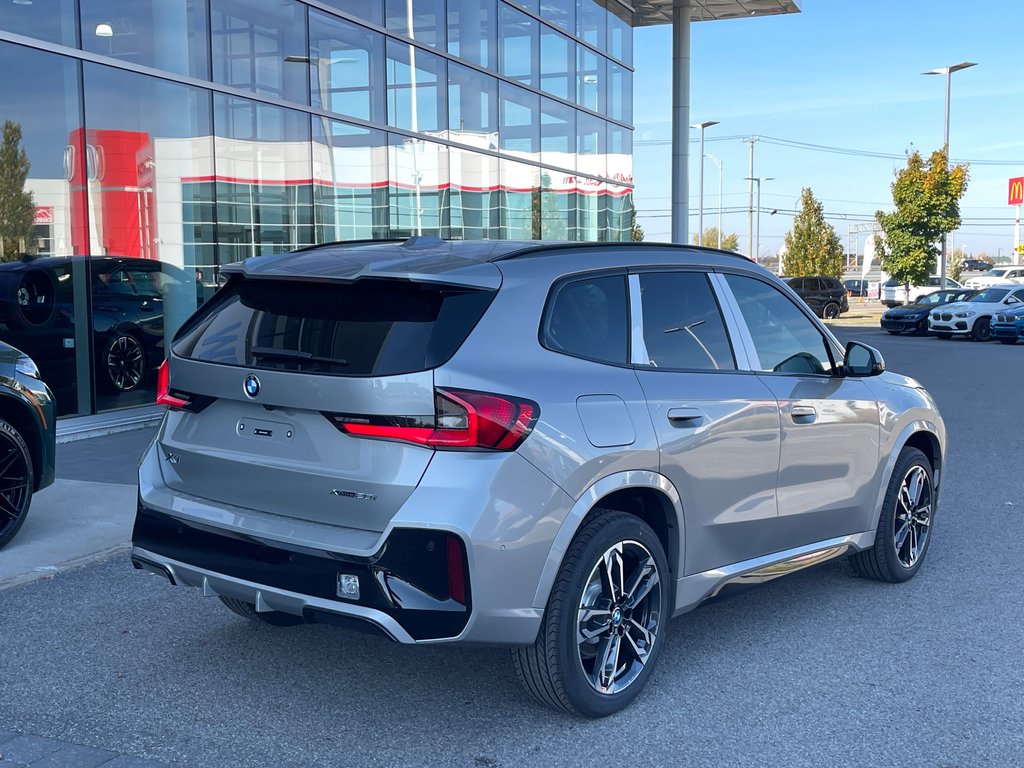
(554,447)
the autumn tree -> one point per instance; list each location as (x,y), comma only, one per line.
(955,266)
(710,239)
(812,246)
(17,206)
(927,199)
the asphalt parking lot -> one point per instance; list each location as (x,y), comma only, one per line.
(819,668)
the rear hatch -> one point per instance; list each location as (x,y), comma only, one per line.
(267,374)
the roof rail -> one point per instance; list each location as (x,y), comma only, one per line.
(567,246)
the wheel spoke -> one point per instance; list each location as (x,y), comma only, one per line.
(901,536)
(645,578)
(8,508)
(7,461)
(642,645)
(587,633)
(914,484)
(613,571)
(607,662)
(912,549)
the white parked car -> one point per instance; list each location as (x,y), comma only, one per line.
(895,294)
(995,276)
(974,316)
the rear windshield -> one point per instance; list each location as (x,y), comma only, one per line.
(366,328)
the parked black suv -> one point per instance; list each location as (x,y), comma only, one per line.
(826,296)
(975,265)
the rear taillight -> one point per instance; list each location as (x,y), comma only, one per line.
(462,419)
(163,389)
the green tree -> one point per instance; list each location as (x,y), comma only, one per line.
(710,239)
(17,206)
(636,231)
(955,266)
(927,199)
(812,246)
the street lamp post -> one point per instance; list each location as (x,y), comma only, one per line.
(757,236)
(948,72)
(700,188)
(718,163)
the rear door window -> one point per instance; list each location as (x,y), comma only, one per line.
(683,327)
(589,317)
(366,328)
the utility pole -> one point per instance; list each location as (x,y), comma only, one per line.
(750,205)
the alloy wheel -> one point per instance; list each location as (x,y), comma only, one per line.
(619,617)
(913,518)
(831,311)
(14,483)
(125,363)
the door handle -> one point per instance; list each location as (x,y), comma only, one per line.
(803,414)
(686,416)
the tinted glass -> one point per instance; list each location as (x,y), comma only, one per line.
(166,34)
(472,31)
(555,209)
(472,105)
(620,93)
(589,318)
(252,40)
(369,329)
(591,79)
(592,22)
(990,295)
(346,68)
(350,172)
(417,187)
(54,21)
(410,69)
(561,13)
(683,327)
(620,34)
(475,196)
(520,120)
(520,190)
(426,17)
(785,340)
(557,64)
(558,134)
(371,10)
(519,41)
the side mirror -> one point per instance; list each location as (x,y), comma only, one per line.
(862,360)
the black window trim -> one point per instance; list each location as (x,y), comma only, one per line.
(553,290)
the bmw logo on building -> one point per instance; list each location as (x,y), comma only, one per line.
(251,385)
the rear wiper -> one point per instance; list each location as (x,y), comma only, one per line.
(271,353)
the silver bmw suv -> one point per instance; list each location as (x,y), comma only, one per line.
(554,447)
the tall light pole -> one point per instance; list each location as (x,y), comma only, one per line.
(948,72)
(758,179)
(750,210)
(718,163)
(700,188)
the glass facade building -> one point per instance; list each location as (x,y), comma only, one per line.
(180,135)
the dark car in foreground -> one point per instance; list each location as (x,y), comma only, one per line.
(826,296)
(857,287)
(1008,327)
(913,318)
(551,446)
(27,438)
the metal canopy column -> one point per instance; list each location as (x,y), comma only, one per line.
(680,120)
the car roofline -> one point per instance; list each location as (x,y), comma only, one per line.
(556,247)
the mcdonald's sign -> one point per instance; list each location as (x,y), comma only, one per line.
(1016,196)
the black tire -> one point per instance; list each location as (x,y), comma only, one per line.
(982,330)
(830,311)
(248,611)
(553,669)
(1008,341)
(943,335)
(16,482)
(122,363)
(887,561)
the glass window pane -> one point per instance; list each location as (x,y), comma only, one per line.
(520,210)
(620,93)
(682,324)
(785,340)
(557,134)
(473,106)
(422,20)
(557,64)
(591,210)
(476,197)
(591,145)
(45,216)
(166,34)
(561,13)
(556,208)
(418,187)
(472,31)
(620,34)
(520,123)
(589,319)
(346,67)
(591,79)
(520,43)
(260,46)
(350,182)
(592,22)
(416,93)
(533,6)
(263,178)
(54,21)
(620,214)
(620,154)
(371,10)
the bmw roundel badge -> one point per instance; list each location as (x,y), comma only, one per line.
(251,385)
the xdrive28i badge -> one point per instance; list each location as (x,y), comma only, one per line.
(251,387)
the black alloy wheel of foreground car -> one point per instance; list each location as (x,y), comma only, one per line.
(830,311)
(16,478)
(982,330)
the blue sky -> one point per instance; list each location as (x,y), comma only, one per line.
(843,73)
